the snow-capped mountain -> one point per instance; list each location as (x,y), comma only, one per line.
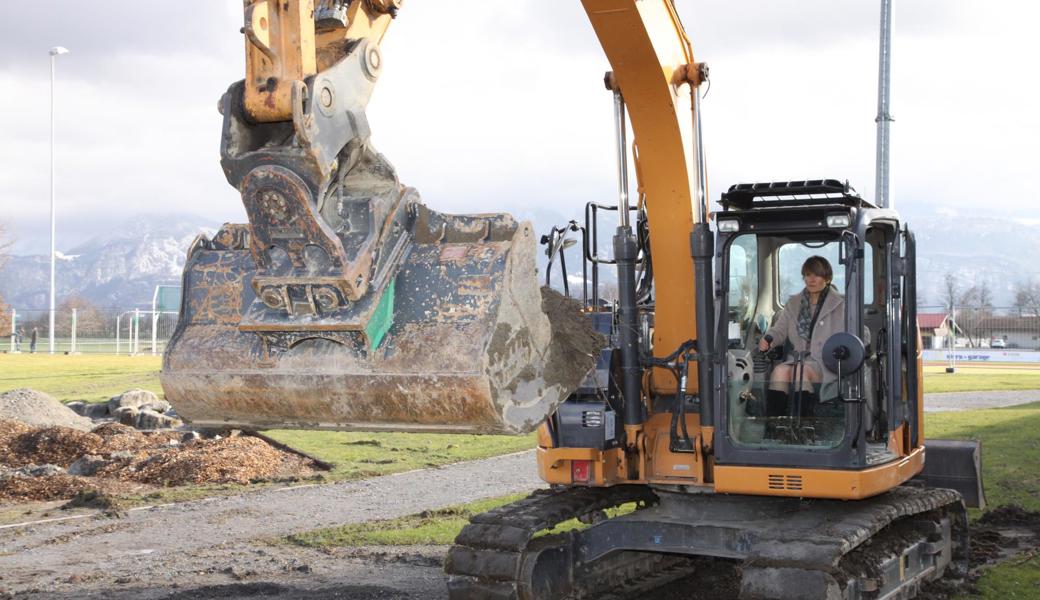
(119,269)
(978,249)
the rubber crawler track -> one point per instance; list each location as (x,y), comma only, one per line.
(487,560)
(490,557)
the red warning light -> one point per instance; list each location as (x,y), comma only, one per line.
(580,470)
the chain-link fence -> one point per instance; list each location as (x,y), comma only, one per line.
(88,330)
(993,328)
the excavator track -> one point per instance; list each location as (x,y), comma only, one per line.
(883,547)
(497,555)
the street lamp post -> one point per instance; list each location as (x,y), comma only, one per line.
(882,174)
(55,52)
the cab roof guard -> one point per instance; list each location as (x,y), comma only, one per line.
(744,196)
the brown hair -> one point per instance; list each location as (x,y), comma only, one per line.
(818,266)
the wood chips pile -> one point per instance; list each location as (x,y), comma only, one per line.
(134,458)
(228,460)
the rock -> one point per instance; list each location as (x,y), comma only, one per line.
(46,471)
(32,471)
(127,415)
(159,406)
(149,419)
(39,410)
(87,465)
(96,411)
(122,455)
(190,436)
(77,407)
(133,398)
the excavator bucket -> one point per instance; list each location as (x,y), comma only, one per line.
(457,341)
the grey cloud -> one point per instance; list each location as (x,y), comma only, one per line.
(109,27)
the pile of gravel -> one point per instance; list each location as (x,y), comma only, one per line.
(39,410)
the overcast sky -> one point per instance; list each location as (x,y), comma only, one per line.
(503,107)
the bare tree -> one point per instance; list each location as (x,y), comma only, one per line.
(975,303)
(949,293)
(1027,297)
(88,317)
(948,296)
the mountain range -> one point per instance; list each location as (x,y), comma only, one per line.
(121,268)
(117,270)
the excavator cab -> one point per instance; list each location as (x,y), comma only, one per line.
(855,402)
(829,401)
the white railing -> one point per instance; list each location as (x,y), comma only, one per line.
(89,330)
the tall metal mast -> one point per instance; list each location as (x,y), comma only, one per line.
(882,175)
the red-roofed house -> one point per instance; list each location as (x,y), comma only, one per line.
(935,328)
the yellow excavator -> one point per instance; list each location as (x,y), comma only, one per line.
(664,426)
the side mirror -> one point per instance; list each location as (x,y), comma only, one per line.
(843,353)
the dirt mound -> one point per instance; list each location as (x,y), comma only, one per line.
(39,410)
(1011,515)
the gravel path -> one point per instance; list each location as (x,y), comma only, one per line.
(954,401)
(219,535)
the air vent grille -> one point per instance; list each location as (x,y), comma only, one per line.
(785,482)
(592,418)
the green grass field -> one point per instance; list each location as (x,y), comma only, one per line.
(357,455)
(82,377)
(96,377)
(981,378)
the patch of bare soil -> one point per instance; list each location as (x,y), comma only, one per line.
(996,536)
(1003,532)
(115,459)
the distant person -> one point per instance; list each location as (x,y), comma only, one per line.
(32,340)
(17,335)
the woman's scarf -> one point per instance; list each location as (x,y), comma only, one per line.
(805,312)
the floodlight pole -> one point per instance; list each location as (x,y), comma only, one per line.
(55,52)
(882,174)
